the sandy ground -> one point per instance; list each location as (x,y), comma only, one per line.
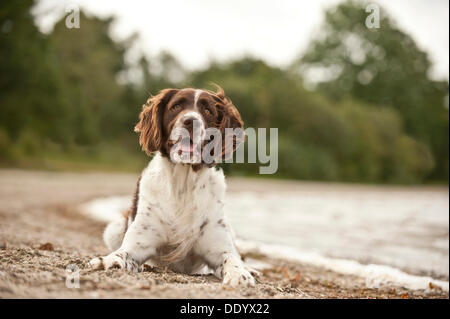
(41,234)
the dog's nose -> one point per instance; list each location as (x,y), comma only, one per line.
(188,122)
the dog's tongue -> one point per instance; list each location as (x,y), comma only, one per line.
(187,147)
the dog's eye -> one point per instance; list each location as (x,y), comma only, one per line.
(207,112)
(175,107)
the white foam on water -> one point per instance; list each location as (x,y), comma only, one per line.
(375,275)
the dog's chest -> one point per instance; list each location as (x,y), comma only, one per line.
(183,198)
(195,198)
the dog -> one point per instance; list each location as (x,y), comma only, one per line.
(176,218)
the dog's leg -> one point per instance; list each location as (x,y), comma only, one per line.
(216,246)
(139,244)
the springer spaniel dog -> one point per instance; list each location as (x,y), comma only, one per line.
(176,218)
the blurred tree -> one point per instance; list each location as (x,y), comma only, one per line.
(318,139)
(72,92)
(33,107)
(90,62)
(382,67)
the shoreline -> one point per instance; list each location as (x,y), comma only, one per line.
(42,233)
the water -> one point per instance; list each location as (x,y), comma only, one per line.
(405,229)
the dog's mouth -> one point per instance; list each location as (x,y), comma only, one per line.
(186,146)
(186,150)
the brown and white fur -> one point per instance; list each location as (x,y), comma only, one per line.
(177,217)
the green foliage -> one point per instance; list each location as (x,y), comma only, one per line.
(65,104)
(31,94)
(90,61)
(382,67)
(319,139)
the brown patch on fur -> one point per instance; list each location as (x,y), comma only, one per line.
(203,225)
(130,214)
(150,121)
(228,117)
(134,205)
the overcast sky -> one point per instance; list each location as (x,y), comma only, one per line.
(196,31)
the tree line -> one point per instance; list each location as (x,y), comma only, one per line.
(376,116)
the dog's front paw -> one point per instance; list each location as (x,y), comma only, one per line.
(96,263)
(115,260)
(238,276)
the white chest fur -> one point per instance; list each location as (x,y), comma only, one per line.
(180,200)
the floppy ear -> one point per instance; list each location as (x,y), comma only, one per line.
(150,121)
(229,123)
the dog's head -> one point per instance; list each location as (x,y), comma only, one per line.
(177,122)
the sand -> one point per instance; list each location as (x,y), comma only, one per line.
(42,233)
